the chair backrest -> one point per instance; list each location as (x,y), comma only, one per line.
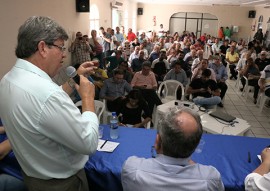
(170,89)
(107,113)
(99,107)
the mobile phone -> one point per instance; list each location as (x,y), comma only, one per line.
(186,104)
(176,103)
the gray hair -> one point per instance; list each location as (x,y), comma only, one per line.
(174,141)
(34,30)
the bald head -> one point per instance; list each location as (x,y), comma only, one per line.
(180,133)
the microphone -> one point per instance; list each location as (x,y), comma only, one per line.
(72,73)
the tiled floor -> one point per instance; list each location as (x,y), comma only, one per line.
(236,105)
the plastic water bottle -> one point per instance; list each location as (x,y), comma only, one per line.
(114,126)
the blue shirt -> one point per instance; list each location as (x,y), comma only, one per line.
(48,134)
(170,174)
(220,71)
(113,89)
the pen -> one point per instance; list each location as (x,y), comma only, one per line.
(249,158)
(103,144)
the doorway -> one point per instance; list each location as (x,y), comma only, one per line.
(199,23)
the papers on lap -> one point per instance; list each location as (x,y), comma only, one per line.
(109,146)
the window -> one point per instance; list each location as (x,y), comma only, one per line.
(94,18)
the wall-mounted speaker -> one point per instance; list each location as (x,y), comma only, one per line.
(140,11)
(82,5)
(251,14)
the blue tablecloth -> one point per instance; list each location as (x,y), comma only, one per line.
(229,154)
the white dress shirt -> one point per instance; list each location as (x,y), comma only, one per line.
(256,182)
(49,135)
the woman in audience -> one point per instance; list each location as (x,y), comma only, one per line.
(132,109)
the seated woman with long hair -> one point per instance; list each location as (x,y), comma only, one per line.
(133,109)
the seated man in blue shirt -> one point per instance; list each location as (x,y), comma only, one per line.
(205,91)
(114,90)
(172,168)
(221,76)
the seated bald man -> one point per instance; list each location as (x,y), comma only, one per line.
(172,169)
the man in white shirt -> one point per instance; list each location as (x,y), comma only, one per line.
(51,139)
(259,179)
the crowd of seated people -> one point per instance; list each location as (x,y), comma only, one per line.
(192,55)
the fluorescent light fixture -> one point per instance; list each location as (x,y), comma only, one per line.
(251,2)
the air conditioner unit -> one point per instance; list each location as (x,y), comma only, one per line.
(116,4)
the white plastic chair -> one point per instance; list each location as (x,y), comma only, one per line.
(170,90)
(99,107)
(262,99)
(107,113)
(246,89)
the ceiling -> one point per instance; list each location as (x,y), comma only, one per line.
(210,2)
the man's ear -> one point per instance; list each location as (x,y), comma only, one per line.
(42,48)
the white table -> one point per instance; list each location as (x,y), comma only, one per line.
(209,123)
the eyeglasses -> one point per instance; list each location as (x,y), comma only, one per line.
(62,48)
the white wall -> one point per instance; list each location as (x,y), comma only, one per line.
(227,16)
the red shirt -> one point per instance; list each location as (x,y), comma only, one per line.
(131,36)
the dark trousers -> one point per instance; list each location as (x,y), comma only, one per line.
(77,182)
(254,83)
(223,87)
(233,71)
(151,98)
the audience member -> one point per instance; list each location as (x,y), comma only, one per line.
(134,54)
(172,168)
(131,36)
(197,60)
(160,66)
(119,36)
(203,65)
(145,81)
(106,41)
(114,62)
(221,76)
(259,179)
(96,43)
(114,90)
(264,81)
(47,119)
(205,91)
(223,50)
(155,53)
(81,49)
(258,36)
(178,74)
(127,74)
(133,109)
(136,64)
(252,73)
(232,58)
(262,61)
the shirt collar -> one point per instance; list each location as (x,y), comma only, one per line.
(30,67)
(173,161)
